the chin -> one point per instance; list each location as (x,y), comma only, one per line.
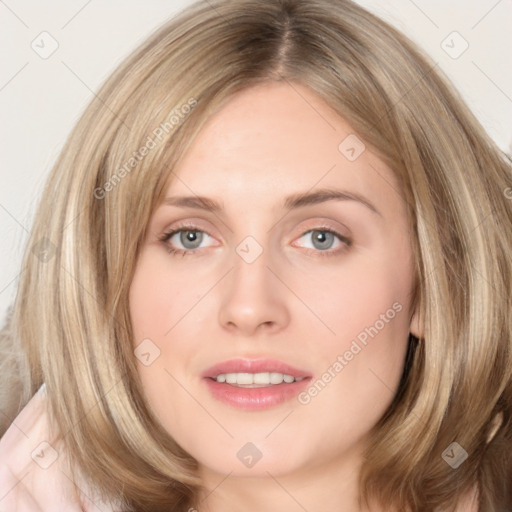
(246,459)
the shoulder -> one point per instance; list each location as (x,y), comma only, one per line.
(33,470)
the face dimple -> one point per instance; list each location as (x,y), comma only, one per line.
(257,288)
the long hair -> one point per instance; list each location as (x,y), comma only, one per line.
(71,315)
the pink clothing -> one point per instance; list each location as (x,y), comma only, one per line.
(33,477)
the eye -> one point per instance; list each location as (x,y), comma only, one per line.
(190,237)
(324,238)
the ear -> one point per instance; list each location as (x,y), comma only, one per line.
(415,326)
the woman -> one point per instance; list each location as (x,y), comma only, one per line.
(274,273)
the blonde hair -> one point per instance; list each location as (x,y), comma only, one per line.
(71,313)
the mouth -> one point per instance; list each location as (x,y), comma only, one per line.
(254,384)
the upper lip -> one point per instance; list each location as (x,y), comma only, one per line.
(253,366)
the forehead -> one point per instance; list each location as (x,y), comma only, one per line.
(275,140)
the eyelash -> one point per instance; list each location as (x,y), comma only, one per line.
(183,252)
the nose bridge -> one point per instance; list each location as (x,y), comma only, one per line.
(250,273)
(250,298)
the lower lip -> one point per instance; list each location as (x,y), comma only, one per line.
(253,399)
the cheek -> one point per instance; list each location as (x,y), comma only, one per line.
(161,306)
(160,297)
(365,304)
(363,294)
(145,299)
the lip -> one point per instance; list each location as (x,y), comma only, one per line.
(253,399)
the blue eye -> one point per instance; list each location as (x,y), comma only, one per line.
(191,237)
(323,240)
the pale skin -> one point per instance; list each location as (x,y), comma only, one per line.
(292,303)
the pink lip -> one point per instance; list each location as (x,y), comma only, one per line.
(254,398)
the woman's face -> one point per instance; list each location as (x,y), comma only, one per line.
(278,282)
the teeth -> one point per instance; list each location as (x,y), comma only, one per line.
(255,380)
(261,378)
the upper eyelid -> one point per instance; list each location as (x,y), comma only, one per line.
(319,223)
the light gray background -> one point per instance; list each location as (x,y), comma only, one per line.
(41,99)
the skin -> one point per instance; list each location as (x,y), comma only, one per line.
(293,303)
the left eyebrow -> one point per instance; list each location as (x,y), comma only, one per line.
(292,202)
(326,194)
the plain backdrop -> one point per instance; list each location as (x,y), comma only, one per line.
(42,96)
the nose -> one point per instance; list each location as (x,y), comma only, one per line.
(253,298)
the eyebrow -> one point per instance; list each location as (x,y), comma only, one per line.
(292,202)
